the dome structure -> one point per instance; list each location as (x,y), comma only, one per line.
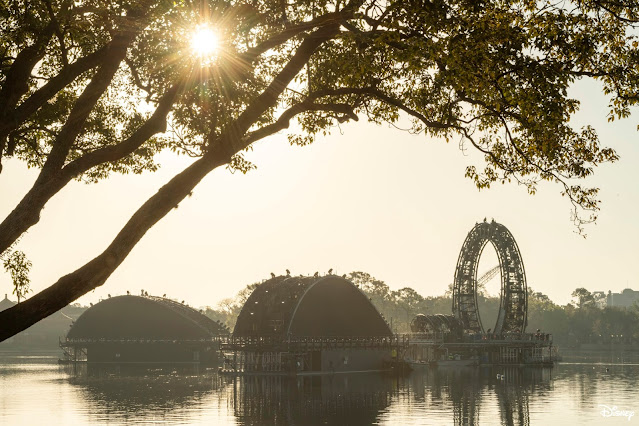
(437,323)
(328,306)
(136,317)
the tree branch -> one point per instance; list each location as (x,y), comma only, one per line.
(17,78)
(96,272)
(85,104)
(136,78)
(378,94)
(41,96)
(284,120)
(243,62)
(268,98)
(58,34)
(155,124)
(16,82)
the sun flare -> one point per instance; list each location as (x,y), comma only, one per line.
(205,42)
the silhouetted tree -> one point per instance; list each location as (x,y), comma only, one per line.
(227,310)
(18,266)
(409,302)
(583,297)
(77,78)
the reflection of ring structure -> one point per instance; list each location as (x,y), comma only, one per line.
(514,298)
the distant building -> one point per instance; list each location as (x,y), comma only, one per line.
(6,303)
(624,299)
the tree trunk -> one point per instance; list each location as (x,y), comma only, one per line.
(27,212)
(95,273)
(50,180)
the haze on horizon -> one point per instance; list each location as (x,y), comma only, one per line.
(366,198)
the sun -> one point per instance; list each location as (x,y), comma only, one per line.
(205,42)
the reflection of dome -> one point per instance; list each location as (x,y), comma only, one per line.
(142,317)
(308,306)
(156,394)
(340,399)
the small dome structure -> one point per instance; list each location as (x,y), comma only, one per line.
(136,317)
(142,329)
(328,306)
(437,323)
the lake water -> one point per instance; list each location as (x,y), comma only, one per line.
(35,390)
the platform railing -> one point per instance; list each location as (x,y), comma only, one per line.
(511,336)
(447,337)
(141,340)
(292,343)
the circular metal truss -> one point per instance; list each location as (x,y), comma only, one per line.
(514,295)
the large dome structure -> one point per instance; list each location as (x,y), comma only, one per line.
(309,325)
(328,306)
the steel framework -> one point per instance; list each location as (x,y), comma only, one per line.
(513,307)
(437,323)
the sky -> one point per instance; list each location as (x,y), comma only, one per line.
(365,198)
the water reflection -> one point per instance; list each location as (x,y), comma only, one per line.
(365,398)
(464,396)
(459,389)
(469,391)
(355,399)
(153,392)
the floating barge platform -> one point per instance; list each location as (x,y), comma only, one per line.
(142,329)
(310,326)
(311,355)
(481,349)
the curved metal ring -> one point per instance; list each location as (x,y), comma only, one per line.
(513,308)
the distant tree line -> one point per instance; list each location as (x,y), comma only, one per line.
(583,320)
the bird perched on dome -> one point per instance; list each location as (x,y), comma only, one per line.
(272,275)
(330,271)
(316,274)
(288,273)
